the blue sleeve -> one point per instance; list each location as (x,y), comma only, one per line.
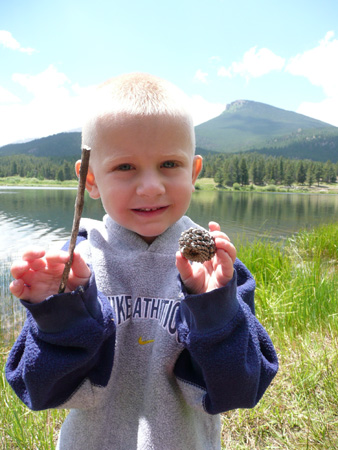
(227,351)
(66,339)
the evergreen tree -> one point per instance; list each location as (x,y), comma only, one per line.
(219,177)
(67,171)
(310,175)
(14,168)
(318,173)
(254,172)
(244,173)
(235,169)
(330,172)
(301,173)
(289,174)
(60,175)
(280,170)
(230,175)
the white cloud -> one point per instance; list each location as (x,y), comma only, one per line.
(202,110)
(7,97)
(48,84)
(223,72)
(326,111)
(201,76)
(8,41)
(255,63)
(214,59)
(56,106)
(320,66)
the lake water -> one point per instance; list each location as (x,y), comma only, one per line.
(44,216)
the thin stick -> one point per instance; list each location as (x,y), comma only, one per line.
(79,202)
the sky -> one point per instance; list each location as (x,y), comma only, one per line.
(53,54)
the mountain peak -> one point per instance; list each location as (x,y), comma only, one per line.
(237,104)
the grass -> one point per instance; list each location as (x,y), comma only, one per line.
(297,301)
(24,429)
(208,184)
(33,182)
(205,184)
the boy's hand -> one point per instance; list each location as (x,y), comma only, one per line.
(200,278)
(38,275)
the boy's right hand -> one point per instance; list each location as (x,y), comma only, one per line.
(38,274)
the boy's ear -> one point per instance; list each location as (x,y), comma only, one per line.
(91,185)
(196,168)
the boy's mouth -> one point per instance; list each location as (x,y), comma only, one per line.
(150,210)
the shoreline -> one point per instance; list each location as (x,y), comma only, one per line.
(208,184)
(202,184)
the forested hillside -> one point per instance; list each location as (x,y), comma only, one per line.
(241,168)
(265,143)
(38,167)
(260,169)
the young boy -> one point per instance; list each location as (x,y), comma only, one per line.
(143,358)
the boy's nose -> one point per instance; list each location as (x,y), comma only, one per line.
(150,184)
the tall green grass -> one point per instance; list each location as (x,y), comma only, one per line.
(297,301)
(19,427)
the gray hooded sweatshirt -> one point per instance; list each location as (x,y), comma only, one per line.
(140,363)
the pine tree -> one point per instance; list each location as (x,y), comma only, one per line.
(289,174)
(301,173)
(310,175)
(318,173)
(219,178)
(244,173)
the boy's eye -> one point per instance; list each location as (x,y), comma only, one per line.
(124,167)
(169,164)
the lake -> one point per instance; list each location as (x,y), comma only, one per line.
(44,216)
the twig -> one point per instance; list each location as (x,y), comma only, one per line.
(79,202)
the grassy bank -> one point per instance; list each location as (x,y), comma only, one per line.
(205,184)
(208,184)
(35,182)
(297,301)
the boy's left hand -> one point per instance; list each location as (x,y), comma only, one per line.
(200,278)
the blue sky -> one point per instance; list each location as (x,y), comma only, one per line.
(52,54)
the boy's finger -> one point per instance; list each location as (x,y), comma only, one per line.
(31,253)
(227,246)
(214,226)
(183,266)
(56,258)
(37,264)
(215,229)
(225,267)
(17,288)
(79,266)
(220,234)
(19,268)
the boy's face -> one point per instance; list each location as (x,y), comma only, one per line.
(144,170)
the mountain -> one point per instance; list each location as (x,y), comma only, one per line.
(244,126)
(62,145)
(250,126)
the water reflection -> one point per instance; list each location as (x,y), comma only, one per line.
(44,216)
(263,215)
(38,216)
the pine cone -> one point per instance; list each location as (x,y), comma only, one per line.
(197,245)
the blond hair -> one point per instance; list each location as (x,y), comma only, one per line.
(136,94)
